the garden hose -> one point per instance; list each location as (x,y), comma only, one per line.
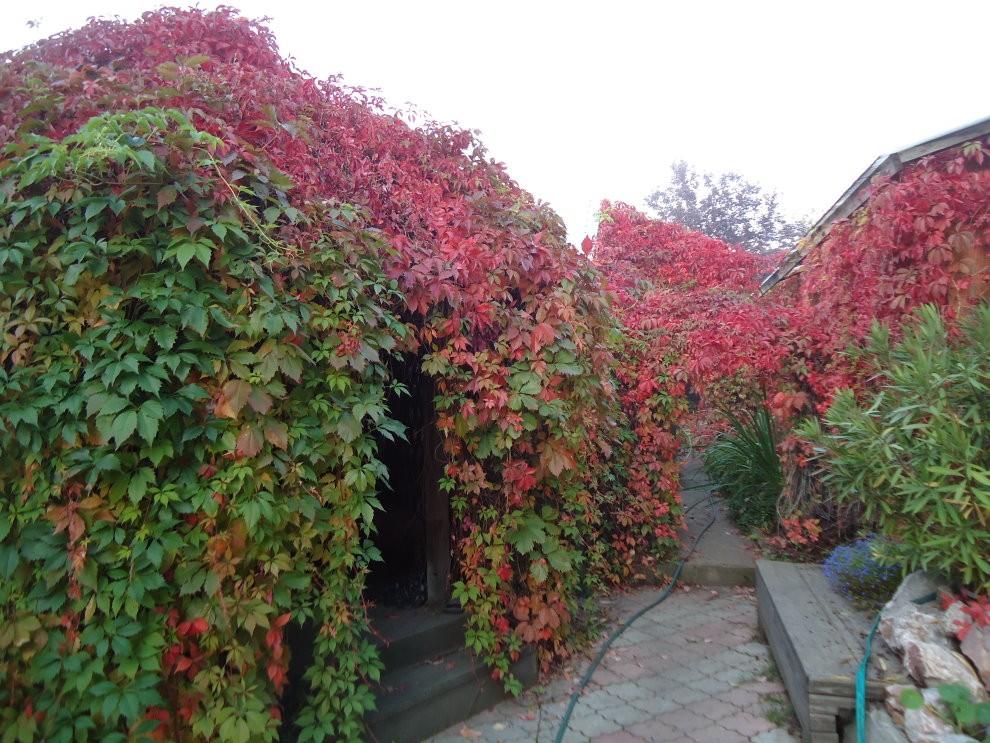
(861,673)
(861,684)
(625,625)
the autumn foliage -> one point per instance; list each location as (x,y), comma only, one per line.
(211,266)
(209,262)
(691,302)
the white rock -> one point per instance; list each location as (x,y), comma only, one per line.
(901,617)
(930,665)
(976,647)
(880,728)
(910,623)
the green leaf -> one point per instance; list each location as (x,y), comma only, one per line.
(123,426)
(292,367)
(912,699)
(185,252)
(145,158)
(138,484)
(212,583)
(195,317)
(539,571)
(9,559)
(105,404)
(348,427)
(559,560)
(148,419)
(526,535)
(94,208)
(165,337)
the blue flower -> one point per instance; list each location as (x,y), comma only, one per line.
(855,572)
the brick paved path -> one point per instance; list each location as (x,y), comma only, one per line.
(691,669)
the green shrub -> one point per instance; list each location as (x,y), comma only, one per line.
(917,453)
(743,464)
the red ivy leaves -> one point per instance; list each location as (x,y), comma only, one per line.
(689,302)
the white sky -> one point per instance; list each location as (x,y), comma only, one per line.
(585,101)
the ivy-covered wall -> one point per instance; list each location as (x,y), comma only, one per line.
(210,267)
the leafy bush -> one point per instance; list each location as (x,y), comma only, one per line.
(189,458)
(917,453)
(854,571)
(743,464)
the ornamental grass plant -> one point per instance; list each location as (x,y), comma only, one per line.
(743,464)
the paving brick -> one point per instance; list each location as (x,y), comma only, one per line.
(741,697)
(592,726)
(656,706)
(620,737)
(755,649)
(686,695)
(713,709)
(657,731)
(627,715)
(602,698)
(777,735)
(746,724)
(628,691)
(734,676)
(710,685)
(715,734)
(766,686)
(685,719)
(689,670)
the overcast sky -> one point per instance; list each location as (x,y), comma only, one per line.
(585,101)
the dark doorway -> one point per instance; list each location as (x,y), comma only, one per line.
(413,527)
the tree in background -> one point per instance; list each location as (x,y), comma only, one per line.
(726,207)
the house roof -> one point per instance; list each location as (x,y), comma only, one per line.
(855,196)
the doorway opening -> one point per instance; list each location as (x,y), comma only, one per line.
(413,527)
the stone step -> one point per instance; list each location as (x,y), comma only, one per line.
(420,700)
(410,636)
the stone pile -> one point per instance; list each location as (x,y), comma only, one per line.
(927,637)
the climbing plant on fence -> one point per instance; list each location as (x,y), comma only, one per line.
(201,292)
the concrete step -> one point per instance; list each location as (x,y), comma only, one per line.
(723,556)
(417,701)
(410,636)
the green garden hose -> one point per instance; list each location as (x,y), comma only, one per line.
(861,673)
(625,625)
(861,685)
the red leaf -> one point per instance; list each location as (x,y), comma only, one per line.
(166,196)
(250,441)
(276,434)
(260,401)
(232,398)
